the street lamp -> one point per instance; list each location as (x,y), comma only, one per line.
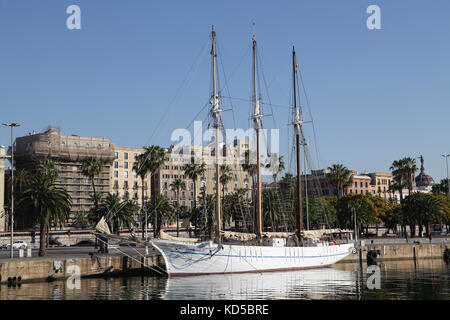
(446,161)
(356,231)
(12,125)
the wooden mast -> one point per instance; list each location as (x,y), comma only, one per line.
(297,125)
(216,112)
(257,125)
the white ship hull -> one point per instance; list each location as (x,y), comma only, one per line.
(183,259)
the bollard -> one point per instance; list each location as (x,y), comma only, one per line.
(20,253)
(29,252)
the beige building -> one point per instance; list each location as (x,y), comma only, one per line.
(123,179)
(361,184)
(2,189)
(174,168)
(68,151)
(381,183)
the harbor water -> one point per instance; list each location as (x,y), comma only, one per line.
(421,279)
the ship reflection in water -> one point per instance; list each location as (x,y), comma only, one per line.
(307,284)
(425,279)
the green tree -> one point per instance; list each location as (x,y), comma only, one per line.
(160,205)
(427,208)
(251,168)
(177,185)
(276,165)
(193,171)
(92,167)
(118,214)
(225,177)
(50,169)
(365,207)
(142,167)
(22,179)
(155,156)
(441,187)
(43,202)
(341,178)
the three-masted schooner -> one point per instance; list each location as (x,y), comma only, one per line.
(215,257)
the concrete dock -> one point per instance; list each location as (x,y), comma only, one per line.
(398,251)
(85,262)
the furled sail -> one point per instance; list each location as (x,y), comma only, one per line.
(102,226)
(165,236)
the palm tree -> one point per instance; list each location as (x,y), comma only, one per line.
(410,170)
(341,178)
(194,170)
(159,204)
(276,165)
(403,171)
(142,167)
(118,213)
(155,156)
(91,167)
(250,168)
(21,180)
(225,177)
(43,202)
(176,186)
(49,168)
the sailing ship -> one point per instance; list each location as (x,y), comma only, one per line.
(260,252)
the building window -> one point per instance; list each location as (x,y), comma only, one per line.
(125,155)
(63,144)
(116,174)
(125,165)
(125,174)
(74,168)
(116,155)
(116,164)
(87,145)
(135,156)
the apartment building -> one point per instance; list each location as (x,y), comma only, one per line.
(124,181)
(68,151)
(361,184)
(377,184)
(381,183)
(177,159)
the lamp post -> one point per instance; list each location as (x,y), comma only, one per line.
(446,161)
(356,226)
(12,125)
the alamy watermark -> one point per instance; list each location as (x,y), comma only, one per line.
(74,280)
(236,146)
(374,280)
(374,20)
(74,20)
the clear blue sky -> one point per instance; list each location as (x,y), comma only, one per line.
(375,95)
